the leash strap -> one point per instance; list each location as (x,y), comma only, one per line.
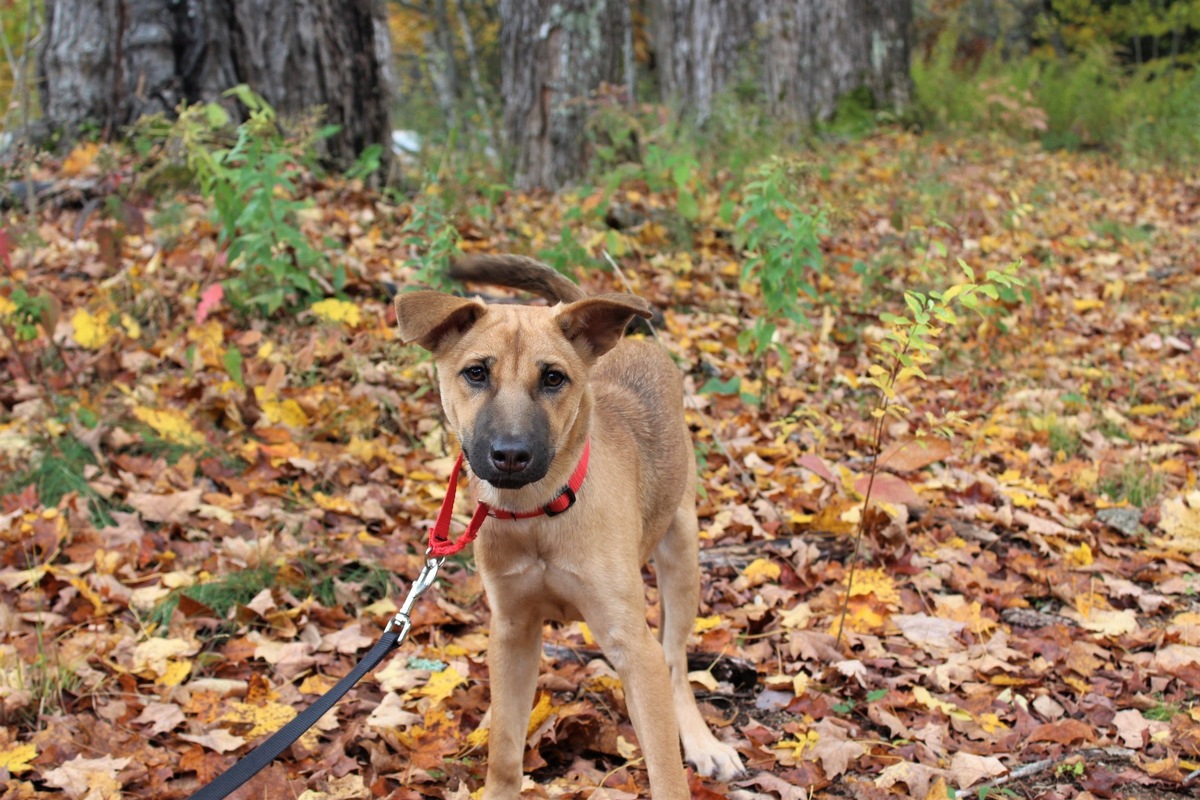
(258,758)
(282,739)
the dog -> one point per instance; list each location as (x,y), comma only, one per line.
(537,396)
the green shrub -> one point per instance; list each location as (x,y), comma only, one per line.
(252,184)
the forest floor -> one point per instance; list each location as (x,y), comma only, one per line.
(229,508)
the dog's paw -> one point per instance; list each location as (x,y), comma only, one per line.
(713,758)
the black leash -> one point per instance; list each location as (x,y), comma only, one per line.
(258,758)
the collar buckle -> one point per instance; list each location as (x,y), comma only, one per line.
(566,492)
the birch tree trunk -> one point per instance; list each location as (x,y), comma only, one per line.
(555,53)
(107,62)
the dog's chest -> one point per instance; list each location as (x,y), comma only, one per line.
(533,581)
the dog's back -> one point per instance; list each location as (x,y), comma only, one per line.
(637,386)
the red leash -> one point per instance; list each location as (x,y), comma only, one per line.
(440,543)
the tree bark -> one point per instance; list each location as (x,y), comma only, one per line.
(555,53)
(807,54)
(108,62)
(699,45)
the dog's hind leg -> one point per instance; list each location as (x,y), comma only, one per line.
(676,562)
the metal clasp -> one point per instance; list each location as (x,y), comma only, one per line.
(419,586)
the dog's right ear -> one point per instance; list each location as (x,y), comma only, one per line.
(434,320)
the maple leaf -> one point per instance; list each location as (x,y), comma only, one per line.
(334,310)
(160,717)
(441,685)
(218,740)
(967,769)
(91,331)
(94,777)
(170,424)
(210,298)
(16,759)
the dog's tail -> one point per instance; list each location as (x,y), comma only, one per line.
(517,272)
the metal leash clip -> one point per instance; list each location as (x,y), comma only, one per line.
(423,582)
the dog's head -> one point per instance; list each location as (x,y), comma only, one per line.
(514,379)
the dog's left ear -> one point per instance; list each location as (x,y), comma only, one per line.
(597,323)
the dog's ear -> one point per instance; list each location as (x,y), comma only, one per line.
(435,320)
(596,324)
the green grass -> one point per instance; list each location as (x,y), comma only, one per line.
(309,577)
(1138,484)
(59,472)
(1063,439)
(1088,100)
(49,682)
(221,595)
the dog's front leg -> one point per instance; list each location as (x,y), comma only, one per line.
(638,658)
(514,653)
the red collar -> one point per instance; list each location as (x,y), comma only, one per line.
(441,545)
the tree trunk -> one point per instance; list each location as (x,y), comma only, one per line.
(818,51)
(807,53)
(555,54)
(107,62)
(699,45)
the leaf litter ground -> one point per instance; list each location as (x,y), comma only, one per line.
(219,511)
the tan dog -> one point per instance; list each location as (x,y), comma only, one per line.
(524,389)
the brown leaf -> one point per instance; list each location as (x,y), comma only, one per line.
(909,455)
(1064,731)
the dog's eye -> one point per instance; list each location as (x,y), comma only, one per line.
(475,374)
(553,379)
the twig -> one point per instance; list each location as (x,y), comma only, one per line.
(1036,767)
(877,445)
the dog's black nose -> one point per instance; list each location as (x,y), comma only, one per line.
(510,455)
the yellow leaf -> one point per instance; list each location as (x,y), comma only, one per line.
(922,696)
(1081,556)
(1087,304)
(80,159)
(263,719)
(478,737)
(171,425)
(761,570)
(17,759)
(285,412)
(339,505)
(703,624)
(334,310)
(541,712)
(92,332)
(441,685)
(7,307)
(131,326)
(175,672)
(586,632)
(876,582)
(317,684)
(1147,410)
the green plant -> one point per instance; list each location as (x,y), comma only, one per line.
(252,184)
(1163,712)
(60,470)
(781,236)
(1063,439)
(221,595)
(47,680)
(1136,483)
(907,346)
(431,235)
